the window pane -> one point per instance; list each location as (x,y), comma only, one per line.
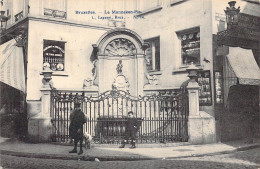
(190,44)
(153,54)
(149,57)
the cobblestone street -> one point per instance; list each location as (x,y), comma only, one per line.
(238,160)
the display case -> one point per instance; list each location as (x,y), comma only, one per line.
(205,97)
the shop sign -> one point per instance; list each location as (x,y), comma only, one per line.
(53,55)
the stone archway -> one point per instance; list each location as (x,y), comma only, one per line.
(120,61)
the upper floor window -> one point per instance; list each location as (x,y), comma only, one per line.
(153,54)
(53,55)
(190,47)
(55,8)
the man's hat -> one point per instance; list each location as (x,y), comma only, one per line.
(130,112)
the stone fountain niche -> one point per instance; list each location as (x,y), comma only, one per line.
(119,62)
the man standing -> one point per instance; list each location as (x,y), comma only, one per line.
(77,119)
(130,130)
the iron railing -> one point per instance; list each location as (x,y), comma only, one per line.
(18,16)
(162,118)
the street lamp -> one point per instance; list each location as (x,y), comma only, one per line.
(232,14)
(4,20)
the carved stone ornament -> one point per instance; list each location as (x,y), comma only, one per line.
(121,83)
(120,47)
(152,79)
(88,82)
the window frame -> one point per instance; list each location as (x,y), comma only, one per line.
(60,44)
(196,47)
(155,65)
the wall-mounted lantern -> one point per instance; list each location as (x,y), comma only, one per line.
(232,15)
(4,20)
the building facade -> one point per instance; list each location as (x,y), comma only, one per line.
(187,32)
(92,47)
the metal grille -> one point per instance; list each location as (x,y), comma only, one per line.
(162,118)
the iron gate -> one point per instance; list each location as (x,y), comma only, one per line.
(162,117)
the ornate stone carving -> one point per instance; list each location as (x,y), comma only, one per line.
(120,82)
(88,82)
(152,79)
(120,47)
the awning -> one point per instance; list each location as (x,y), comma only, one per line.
(12,65)
(244,65)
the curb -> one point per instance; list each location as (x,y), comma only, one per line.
(244,148)
(117,158)
(74,157)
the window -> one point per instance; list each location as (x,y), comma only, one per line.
(153,54)
(53,55)
(190,47)
(55,8)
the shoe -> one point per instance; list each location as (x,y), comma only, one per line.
(80,152)
(132,147)
(73,151)
(122,146)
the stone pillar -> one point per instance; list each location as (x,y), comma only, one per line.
(39,126)
(140,74)
(101,74)
(201,126)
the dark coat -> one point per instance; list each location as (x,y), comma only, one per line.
(131,128)
(77,118)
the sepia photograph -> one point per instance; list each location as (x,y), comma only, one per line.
(130,84)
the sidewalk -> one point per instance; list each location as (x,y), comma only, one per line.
(108,153)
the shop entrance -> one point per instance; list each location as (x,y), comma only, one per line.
(241,120)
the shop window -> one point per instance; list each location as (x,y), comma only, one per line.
(53,55)
(190,47)
(153,54)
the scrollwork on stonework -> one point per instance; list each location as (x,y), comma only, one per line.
(120,47)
